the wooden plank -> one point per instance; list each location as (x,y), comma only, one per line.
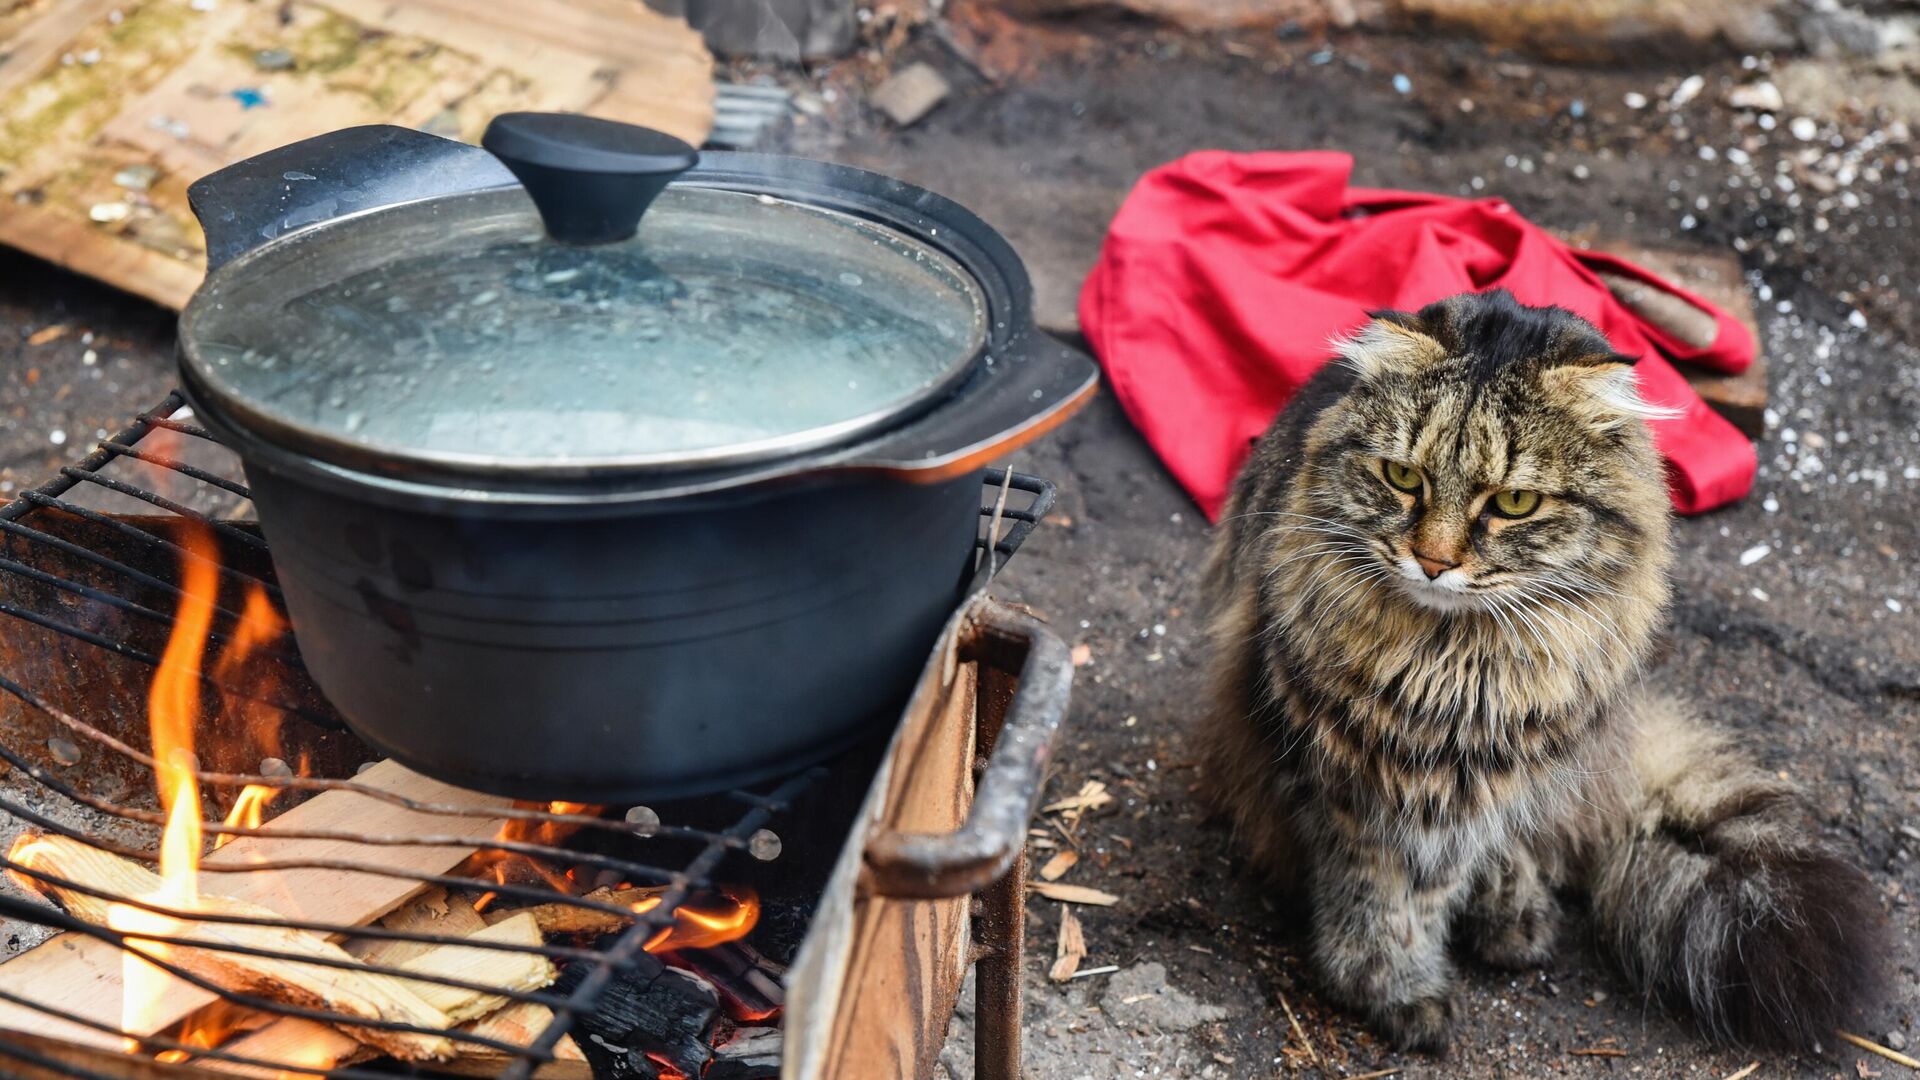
(81,975)
(162,86)
(909,956)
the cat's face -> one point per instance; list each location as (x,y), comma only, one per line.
(1489,457)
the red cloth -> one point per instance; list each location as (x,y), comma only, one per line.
(1224,275)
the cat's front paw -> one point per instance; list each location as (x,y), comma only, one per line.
(1425,1024)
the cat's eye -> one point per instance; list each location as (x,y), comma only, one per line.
(1404,477)
(1515,503)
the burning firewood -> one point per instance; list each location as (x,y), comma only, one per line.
(351,993)
(573,919)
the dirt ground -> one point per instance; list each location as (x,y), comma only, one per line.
(1812,652)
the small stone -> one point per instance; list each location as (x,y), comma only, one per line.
(63,751)
(57,437)
(273,59)
(107,212)
(1895,1041)
(1634,100)
(1803,128)
(1754,554)
(1759,97)
(1688,89)
(275,768)
(911,93)
(1894,606)
(363,767)
(1402,85)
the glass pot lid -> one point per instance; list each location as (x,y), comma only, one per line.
(456,332)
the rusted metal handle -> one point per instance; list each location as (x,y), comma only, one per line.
(961,863)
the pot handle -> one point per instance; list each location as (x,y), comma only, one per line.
(932,866)
(1035,383)
(591,179)
(256,200)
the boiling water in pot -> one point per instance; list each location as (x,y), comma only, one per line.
(730,319)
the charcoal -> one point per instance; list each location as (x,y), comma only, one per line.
(753,1053)
(748,982)
(651,1011)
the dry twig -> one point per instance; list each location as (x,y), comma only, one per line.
(1872,1047)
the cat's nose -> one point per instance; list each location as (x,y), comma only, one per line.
(1434,567)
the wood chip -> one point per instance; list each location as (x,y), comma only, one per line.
(1073,894)
(1742,1074)
(1088,973)
(1093,795)
(1872,1047)
(48,333)
(1071,948)
(1061,862)
(1377,1074)
(1598,1051)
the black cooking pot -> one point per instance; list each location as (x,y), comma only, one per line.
(572,502)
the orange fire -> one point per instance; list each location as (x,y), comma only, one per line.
(248,811)
(260,625)
(703,928)
(173,706)
(507,866)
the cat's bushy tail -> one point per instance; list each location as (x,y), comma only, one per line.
(1715,893)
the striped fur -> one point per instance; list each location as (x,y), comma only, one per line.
(1429,714)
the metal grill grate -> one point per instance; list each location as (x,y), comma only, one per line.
(1005,527)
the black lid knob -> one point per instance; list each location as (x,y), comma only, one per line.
(590,178)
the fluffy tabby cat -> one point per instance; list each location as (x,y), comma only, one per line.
(1432,594)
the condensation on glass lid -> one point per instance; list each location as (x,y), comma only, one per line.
(729,321)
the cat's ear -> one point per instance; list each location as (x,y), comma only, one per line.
(1602,388)
(1389,343)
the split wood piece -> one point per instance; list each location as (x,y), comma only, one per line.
(432,912)
(489,967)
(571,919)
(520,1023)
(314,1045)
(78,974)
(358,994)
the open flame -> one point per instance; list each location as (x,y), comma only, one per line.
(704,927)
(173,705)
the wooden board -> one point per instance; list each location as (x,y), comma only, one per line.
(81,975)
(110,108)
(907,958)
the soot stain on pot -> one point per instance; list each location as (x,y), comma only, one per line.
(411,570)
(392,614)
(363,540)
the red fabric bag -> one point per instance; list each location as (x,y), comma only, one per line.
(1224,275)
